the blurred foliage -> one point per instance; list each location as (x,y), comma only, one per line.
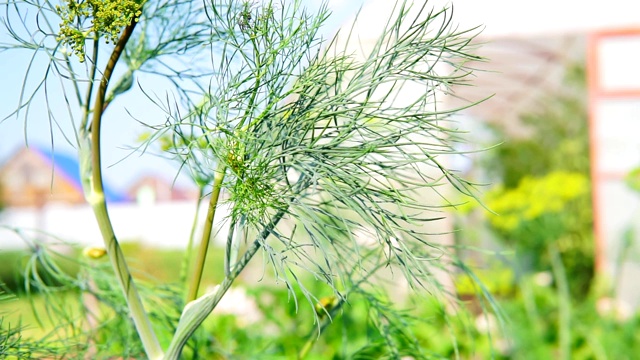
(551,210)
(147,267)
(544,194)
(498,279)
(633,179)
(595,332)
(63,308)
(543,211)
(282,326)
(534,198)
(11,261)
(554,137)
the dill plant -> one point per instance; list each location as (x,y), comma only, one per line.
(321,154)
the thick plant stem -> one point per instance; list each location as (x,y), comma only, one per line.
(206,234)
(116,256)
(86,108)
(95,197)
(197,311)
(187,257)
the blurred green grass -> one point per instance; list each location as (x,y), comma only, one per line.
(531,329)
(148,264)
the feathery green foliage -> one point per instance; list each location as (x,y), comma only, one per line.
(331,157)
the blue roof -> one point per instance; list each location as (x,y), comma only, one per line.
(70,168)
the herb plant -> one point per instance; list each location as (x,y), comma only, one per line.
(325,152)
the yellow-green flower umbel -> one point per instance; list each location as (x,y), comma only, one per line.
(107,19)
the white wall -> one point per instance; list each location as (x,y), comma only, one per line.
(163,225)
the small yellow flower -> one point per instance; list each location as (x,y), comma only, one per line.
(94,252)
(326,304)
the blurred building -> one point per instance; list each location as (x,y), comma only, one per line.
(150,188)
(34,176)
(41,195)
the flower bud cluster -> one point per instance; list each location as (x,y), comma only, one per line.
(107,18)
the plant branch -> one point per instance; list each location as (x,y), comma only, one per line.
(197,311)
(187,257)
(87,102)
(97,201)
(206,234)
(99,104)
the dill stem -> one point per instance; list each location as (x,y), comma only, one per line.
(206,234)
(96,198)
(192,234)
